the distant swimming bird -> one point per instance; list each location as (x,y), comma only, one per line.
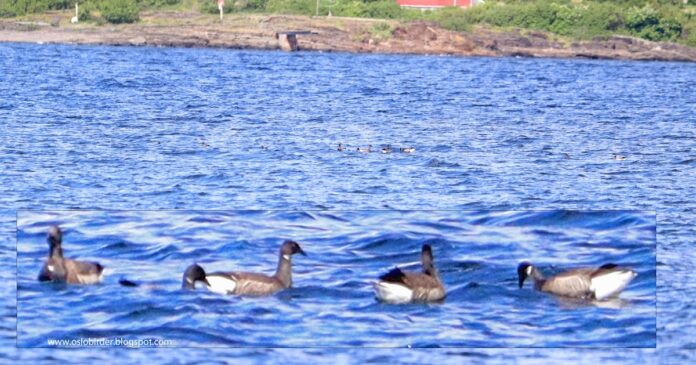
(132,284)
(62,270)
(588,283)
(566,156)
(399,287)
(340,147)
(619,157)
(407,149)
(126,282)
(75,19)
(387,149)
(244,283)
(364,149)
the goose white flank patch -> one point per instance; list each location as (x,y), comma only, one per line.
(604,282)
(245,283)
(221,284)
(611,284)
(398,287)
(393,292)
(62,270)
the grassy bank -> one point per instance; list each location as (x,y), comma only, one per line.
(656,20)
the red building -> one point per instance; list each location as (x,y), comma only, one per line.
(433,4)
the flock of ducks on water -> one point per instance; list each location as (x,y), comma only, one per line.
(386,149)
(396,286)
(614,156)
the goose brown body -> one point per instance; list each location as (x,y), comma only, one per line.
(398,286)
(590,283)
(247,283)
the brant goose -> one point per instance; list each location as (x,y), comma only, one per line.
(62,270)
(367,149)
(399,287)
(340,147)
(407,149)
(387,149)
(588,283)
(619,157)
(244,283)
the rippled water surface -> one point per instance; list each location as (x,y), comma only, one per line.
(146,128)
(331,303)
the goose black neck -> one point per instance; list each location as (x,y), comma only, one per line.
(56,251)
(284,270)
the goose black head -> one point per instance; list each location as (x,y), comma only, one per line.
(427,253)
(523,271)
(192,274)
(55,235)
(427,260)
(290,248)
(55,238)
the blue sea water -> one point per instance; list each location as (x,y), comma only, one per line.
(332,303)
(147,128)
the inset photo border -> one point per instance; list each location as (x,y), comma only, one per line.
(367,278)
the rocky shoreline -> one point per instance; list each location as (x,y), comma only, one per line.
(333,34)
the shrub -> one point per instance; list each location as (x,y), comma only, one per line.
(586,21)
(21,7)
(598,19)
(36,6)
(648,23)
(638,19)
(155,3)
(301,7)
(7,10)
(120,11)
(691,39)
(60,4)
(452,18)
(211,7)
(256,5)
(381,31)
(350,8)
(383,9)
(85,11)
